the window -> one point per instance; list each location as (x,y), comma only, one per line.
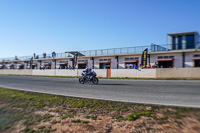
(104,59)
(130,65)
(165,57)
(132,58)
(63,61)
(104,65)
(82,60)
(63,66)
(197,55)
(180,42)
(82,66)
(190,43)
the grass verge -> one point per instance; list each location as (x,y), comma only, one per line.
(39,112)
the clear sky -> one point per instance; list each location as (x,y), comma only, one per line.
(38,26)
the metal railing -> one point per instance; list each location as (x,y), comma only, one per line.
(113,51)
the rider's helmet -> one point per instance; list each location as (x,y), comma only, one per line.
(89,69)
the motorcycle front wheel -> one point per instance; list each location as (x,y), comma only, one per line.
(95,80)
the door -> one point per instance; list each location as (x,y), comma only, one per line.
(197,63)
(165,64)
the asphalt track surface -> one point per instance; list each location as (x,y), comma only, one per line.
(163,92)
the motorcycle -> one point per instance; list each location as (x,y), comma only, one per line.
(91,78)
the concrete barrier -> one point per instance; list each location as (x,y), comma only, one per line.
(64,72)
(52,72)
(43,72)
(16,72)
(134,73)
(178,73)
(131,73)
(101,72)
(146,73)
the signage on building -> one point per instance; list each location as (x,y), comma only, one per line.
(75,61)
(31,62)
(144,58)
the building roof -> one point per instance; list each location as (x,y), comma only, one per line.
(182,33)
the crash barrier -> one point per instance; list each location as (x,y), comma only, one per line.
(130,73)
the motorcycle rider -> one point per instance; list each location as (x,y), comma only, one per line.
(87,72)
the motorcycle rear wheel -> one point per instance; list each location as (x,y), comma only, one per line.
(81,80)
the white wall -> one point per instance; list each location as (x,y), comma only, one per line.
(101,72)
(43,72)
(16,72)
(178,60)
(90,62)
(153,58)
(134,73)
(189,59)
(121,62)
(178,73)
(51,72)
(113,63)
(66,72)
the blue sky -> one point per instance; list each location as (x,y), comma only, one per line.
(38,26)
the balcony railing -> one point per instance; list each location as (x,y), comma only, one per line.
(113,51)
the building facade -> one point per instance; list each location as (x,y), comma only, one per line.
(183,52)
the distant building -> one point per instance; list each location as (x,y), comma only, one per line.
(182,52)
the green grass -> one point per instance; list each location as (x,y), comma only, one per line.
(80,121)
(29,130)
(55,121)
(7,118)
(135,116)
(76,121)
